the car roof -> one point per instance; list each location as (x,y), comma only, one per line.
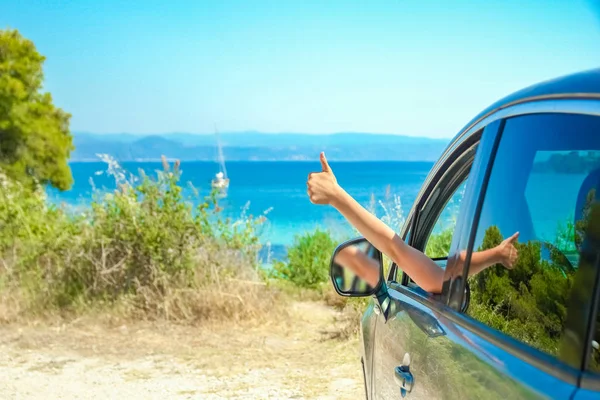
(581,85)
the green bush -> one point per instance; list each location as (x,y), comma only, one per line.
(528,302)
(308,260)
(143,244)
(438,244)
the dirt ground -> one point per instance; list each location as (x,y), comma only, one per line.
(291,359)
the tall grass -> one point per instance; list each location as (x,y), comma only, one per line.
(389,210)
(143,249)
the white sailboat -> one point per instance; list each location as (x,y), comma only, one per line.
(220,181)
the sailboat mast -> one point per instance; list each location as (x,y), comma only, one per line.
(220,155)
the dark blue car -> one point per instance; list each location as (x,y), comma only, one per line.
(530,163)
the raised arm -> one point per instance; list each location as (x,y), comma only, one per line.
(324,189)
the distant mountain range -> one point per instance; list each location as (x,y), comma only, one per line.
(257,146)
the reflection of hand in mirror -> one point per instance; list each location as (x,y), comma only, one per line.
(359,263)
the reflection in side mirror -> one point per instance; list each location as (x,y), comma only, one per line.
(356,268)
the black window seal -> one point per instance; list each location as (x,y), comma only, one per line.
(482,192)
(425,229)
(464,147)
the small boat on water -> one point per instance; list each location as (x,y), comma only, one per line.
(220,181)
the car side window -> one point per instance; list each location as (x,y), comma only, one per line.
(527,245)
(591,253)
(440,239)
(594,365)
(437,218)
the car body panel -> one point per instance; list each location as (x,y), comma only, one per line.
(581,85)
(584,394)
(467,359)
(367,340)
(589,388)
(448,361)
(584,85)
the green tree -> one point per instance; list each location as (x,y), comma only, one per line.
(35,141)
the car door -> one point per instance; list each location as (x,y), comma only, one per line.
(590,254)
(523,334)
(590,381)
(415,331)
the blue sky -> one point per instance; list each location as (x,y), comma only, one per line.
(410,67)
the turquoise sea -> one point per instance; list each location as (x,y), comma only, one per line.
(279,188)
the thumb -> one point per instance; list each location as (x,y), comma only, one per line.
(513,238)
(324,164)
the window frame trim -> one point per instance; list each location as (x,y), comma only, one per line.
(582,377)
(587,379)
(437,174)
(430,206)
(450,165)
(546,105)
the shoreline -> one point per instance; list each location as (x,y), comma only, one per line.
(300,160)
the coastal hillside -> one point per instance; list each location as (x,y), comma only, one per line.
(256,146)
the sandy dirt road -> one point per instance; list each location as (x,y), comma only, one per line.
(86,360)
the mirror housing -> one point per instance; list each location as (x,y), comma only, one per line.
(356,268)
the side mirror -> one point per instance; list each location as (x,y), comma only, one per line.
(356,269)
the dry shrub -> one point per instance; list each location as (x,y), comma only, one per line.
(142,250)
(220,291)
(10,305)
(345,325)
(332,299)
(350,311)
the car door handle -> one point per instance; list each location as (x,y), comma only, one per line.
(404,379)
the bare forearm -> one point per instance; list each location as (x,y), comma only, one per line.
(375,231)
(417,265)
(481,260)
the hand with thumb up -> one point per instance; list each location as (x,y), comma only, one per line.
(322,186)
(508,252)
